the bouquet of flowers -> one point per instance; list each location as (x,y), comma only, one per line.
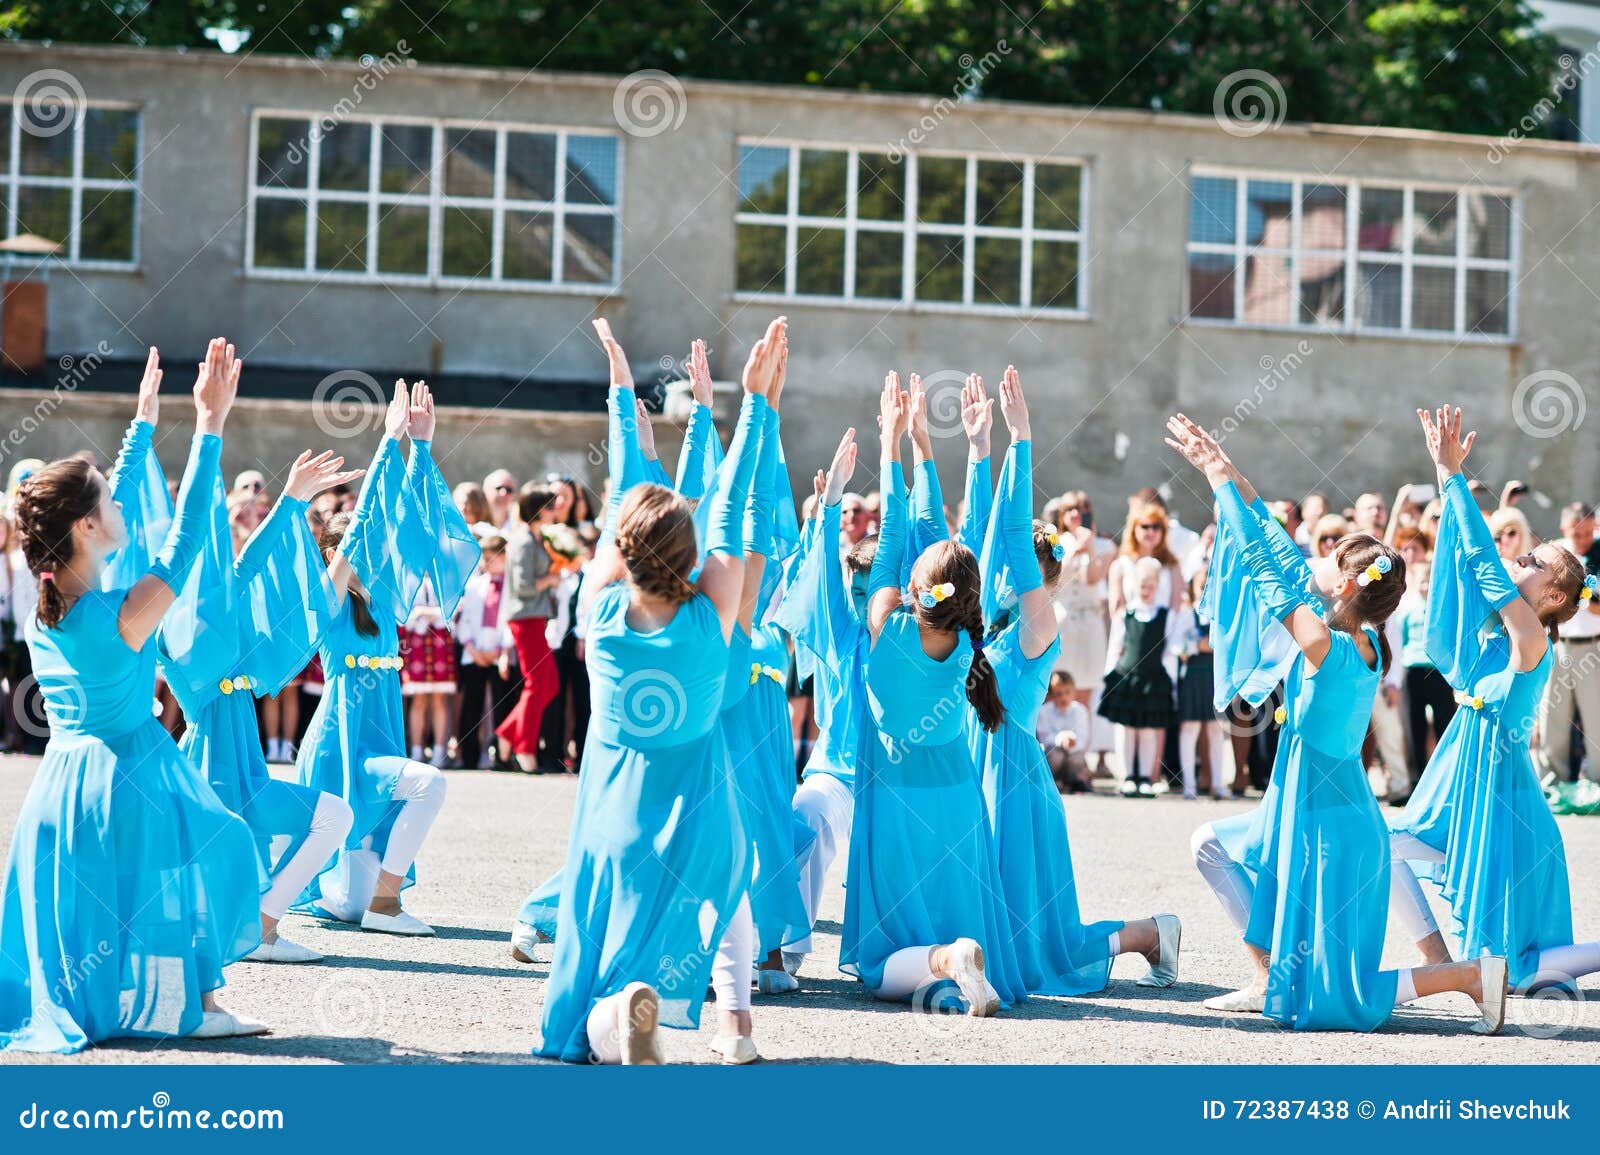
(564,546)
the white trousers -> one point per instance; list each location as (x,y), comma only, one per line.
(1189,736)
(1229,881)
(827,806)
(1574,684)
(421,788)
(1389,733)
(330,822)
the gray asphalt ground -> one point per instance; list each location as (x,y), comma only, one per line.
(460,998)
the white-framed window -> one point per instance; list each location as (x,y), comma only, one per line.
(841,223)
(72,176)
(433,202)
(1273,250)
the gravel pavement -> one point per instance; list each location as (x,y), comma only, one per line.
(460,998)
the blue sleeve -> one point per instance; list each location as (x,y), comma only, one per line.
(816,606)
(761,503)
(1253,649)
(445,550)
(1016,519)
(979,501)
(1286,554)
(888,561)
(927,508)
(191,525)
(625,460)
(701,455)
(198,642)
(139,486)
(1470,583)
(656,473)
(285,598)
(1272,584)
(725,503)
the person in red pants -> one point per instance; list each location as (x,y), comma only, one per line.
(528,606)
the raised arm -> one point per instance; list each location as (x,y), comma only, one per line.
(884,585)
(977,416)
(215,387)
(654,472)
(722,572)
(761,505)
(1283,600)
(1475,577)
(816,607)
(1016,522)
(702,452)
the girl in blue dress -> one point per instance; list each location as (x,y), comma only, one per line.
(653,902)
(405,529)
(1056,953)
(242,629)
(922,892)
(1477,823)
(129,884)
(1305,875)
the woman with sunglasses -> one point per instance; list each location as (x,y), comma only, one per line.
(1478,825)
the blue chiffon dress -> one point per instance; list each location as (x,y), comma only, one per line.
(923,868)
(657,857)
(405,530)
(1056,953)
(1316,846)
(129,885)
(1479,801)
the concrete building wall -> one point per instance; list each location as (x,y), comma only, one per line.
(1340,420)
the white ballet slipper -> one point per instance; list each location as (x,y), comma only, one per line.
(1169,933)
(401,923)
(792,961)
(965,968)
(776,982)
(282,950)
(224,1025)
(1245,1002)
(524,938)
(1492,973)
(1129,788)
(638,1010)
(735,1050)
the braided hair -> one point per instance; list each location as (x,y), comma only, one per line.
(48,504)
(655,536)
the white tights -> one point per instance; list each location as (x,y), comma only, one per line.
(1229,881)
(1147,745)
(1189,734)
(421,788)
(1411,905)
(731,976)
(330,822)
(827,806)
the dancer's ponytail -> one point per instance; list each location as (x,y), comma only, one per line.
(48,504)
(333,531)
(951,569)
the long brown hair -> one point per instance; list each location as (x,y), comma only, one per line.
(952,562)
(655,536)
(1566,578)
(48,504)
(333,531)
(1373,603)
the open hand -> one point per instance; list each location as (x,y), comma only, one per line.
(216,385)
(616,360)
(1446,446)
(419,416)
(309,475)
(1198,447)
(149,406)
(700,374)
(844,464)
(1014,406)
(977,416)
(646,431)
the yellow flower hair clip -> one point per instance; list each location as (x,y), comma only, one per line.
(1375,571)
(1590,585)
(933,595)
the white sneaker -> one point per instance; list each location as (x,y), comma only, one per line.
(966,969)
(1492,974)
(1169,933)
(1242,1002)
(274,749)
(223,1025)
(282,950)
(637,1012)
(776,982)
(401,923)
(735,1050)
(791,961)
(1130,788)
(524,938)
(439,756)
(287,750)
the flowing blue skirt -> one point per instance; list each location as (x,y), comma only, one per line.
(1056,953)
(129,887)
(1318,850)
(1505,867)
(923,868)
(656,863)
(540,908)
(762,756)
